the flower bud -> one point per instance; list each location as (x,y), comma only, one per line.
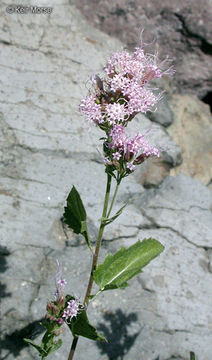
(59,321)
(129,156)
(99,82)
(49,308)
(140,159)
(115,163)
(55,309)
(61,301)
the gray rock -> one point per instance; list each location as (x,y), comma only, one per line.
(163,115)
(184,205)
(153,171)
(45,148)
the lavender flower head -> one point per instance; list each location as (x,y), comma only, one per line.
(123,90)
(116,98)
(71,310)
(60,309)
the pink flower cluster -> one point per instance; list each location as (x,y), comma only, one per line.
(123,91)
(132,150)
(116,98)
(91,109)
(71,310)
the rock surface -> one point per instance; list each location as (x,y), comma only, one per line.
(45,148)
(192,131)
(164,114)
(183,30)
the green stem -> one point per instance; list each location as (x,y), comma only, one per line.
(95,258)
(100,234)
(113,199)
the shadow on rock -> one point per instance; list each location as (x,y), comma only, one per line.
(14,342)
(120,333)
(4,252)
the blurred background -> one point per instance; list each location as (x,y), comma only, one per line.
(46,147)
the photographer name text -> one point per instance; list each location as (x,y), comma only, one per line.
(20,9)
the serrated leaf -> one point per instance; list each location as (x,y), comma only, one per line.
(80,326)
(75,215)
(117,269)
(110,220)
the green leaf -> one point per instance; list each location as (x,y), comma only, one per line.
(117,269)
(91,297)
(75,215)
(110,220)
(48,344)
(47,341)
(55,346)
(80,326)
(41,351)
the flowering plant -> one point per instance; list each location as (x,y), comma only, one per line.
(113,101)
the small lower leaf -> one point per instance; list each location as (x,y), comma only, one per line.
(80,326)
